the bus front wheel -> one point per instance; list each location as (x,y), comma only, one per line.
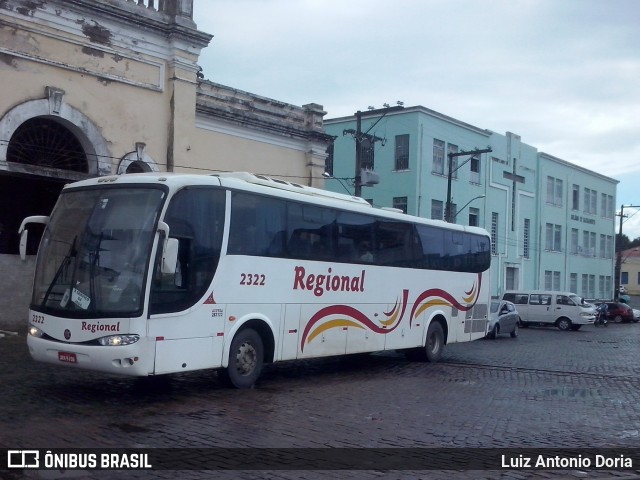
(246,358)
(435,342)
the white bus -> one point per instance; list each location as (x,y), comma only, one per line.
(149,274)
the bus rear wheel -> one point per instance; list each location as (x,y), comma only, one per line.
(246,358)
(435,342)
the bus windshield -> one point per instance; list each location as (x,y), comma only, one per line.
(95,251)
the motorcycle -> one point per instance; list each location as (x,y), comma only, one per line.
(601,318)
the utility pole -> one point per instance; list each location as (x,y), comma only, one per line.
(618,268)
(362,137)
(449,217)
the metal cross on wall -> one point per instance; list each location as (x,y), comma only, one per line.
(515,178)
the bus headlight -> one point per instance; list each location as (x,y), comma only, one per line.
(118,340)
(35,331)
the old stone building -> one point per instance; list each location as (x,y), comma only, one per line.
(102,87)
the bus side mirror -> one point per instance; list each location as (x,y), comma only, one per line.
(24,232)
(170,256)
(169,250)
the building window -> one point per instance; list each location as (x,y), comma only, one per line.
(328,162)
(588,286)
(402,152)
(573,283)
(475,169)
(554,191)
(400,203)
(589,244)
(624,278)
(553,237)
(526,237)
(474,216)
(575,198)
(451,148)
(438,157)
(552,280)
(494,233)
(367,161)
(606,206)
(437,210)
(590,201)
(574,242)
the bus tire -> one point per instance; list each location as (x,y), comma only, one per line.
(434,344)
(246,358)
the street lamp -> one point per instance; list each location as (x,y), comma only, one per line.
(331,177)
(448,213)
(466,205)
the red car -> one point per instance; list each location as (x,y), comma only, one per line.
(619,312)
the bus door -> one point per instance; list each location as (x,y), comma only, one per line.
(185,319)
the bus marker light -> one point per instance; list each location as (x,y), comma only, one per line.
(159,339)
(220,334)
(295,330)
(232,318)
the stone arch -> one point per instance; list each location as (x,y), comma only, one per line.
(137,161)
(53,108)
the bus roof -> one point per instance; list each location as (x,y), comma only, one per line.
(266,185)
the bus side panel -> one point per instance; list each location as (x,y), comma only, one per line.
(322,335)
(188,340)
(186,354)
(361,339)
(406,335)
(290,332)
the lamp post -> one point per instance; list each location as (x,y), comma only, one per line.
(450,156)
(466,205)
(618,267)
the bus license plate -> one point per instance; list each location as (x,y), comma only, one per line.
(67,357)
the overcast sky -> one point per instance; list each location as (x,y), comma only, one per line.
(562,74)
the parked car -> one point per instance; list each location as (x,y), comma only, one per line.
(503,318)
(636,314)
(619,312)
(565,310)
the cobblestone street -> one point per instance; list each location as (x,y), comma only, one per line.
(545,389)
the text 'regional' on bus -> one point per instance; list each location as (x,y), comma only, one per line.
(151,274)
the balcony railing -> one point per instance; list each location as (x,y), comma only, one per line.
(173,7)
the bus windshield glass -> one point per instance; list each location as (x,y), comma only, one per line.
(95,251)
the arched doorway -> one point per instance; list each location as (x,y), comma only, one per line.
(47,143)
(39,144)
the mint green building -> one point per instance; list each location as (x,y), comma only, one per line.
(551,221)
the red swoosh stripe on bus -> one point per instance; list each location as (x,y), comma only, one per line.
(446,298)
(355,317)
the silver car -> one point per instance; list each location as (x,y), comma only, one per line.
(503,318)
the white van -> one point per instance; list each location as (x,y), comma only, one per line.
(565,310)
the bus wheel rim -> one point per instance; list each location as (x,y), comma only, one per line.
(246,359)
